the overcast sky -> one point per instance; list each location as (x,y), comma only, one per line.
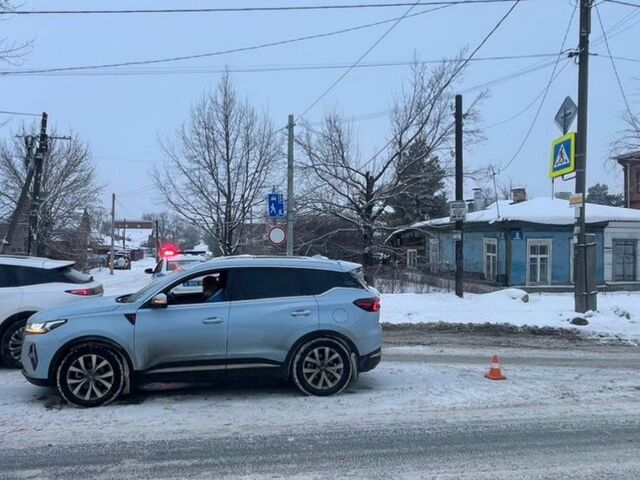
(123,116)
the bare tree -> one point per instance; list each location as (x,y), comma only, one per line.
(220,166)
(11,51)
(68,185)
(358,190)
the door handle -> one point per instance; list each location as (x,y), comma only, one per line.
(212,320)
(301,313)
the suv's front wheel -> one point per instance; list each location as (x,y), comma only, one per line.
(91,376)
(322,367)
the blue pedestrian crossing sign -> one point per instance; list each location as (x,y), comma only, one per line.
(276,205)
(563,155)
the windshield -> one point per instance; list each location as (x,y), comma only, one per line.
(140,293)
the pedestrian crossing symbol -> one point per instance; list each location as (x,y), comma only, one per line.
(563,155)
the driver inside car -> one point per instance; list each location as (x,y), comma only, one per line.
(212,290)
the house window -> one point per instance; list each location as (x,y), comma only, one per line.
(412,257)
(538,262)
(490,258)
(624,260)
(434,255)
(638,180)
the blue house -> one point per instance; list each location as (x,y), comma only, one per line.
(528,244)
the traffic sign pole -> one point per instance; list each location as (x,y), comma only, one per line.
(290,199)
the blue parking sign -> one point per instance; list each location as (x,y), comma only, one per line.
(276,205)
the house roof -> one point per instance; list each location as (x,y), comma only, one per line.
(542,210)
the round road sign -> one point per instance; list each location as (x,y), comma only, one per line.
(277,235)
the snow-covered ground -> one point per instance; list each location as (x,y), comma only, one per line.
(618,313)
(397,391)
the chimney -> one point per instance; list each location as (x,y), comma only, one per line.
(519,194)
(478,200)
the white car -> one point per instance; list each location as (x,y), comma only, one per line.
(176,261)
(29,285)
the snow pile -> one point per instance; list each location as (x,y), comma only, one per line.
(618,312)
(124,281)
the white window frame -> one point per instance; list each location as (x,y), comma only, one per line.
(412,257)
(540,241)
(486,243)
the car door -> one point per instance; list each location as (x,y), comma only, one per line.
(185,336)
(269,312)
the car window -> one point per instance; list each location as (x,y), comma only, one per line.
(208,287)
(71,275)
(257,283)
(26,276)
(320,281)
(7,277)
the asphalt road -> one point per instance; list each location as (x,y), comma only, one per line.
(574,448)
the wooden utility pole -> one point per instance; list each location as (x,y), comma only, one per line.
(33,238)
(459,197)
(290,194)
(584,275)
(113,232)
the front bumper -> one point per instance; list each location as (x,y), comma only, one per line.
(40,382)
(37,353)
(370,361)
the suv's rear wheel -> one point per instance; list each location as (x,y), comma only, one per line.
(12,344)
(91,376)
(322,367)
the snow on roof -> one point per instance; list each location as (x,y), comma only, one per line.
(542,210)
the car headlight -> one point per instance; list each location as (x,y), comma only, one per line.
(38,328)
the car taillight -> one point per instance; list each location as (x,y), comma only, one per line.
(86,292)
(368,304)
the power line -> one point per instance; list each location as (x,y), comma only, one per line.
(366,52)
(2,112)
(615,70)
(621,2)
(462,65)
(220,52)
(278,68)
(546,92)
(247,9)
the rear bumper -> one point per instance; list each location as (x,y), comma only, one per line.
(370,361)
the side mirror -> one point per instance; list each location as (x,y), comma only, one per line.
(149,271)
(159,301)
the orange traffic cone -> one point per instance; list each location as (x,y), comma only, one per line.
(494,372)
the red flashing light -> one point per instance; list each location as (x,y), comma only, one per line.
(168,251)
(368,304)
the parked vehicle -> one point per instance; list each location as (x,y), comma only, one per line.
(121,261)
(177,261)
(313,321)
(31,284)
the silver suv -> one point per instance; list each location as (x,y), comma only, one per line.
(311,320)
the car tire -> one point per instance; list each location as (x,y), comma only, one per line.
(91,376)
(322,367)
(11,344)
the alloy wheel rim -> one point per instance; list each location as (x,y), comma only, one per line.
(15,344)
(90,377)
(323,368)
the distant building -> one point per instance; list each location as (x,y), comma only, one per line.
(527,244)
(631,165)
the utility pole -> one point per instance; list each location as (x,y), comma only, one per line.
(34,215)
(584,275)
(157,242)
(15,219)
(290,199)
(459,197)
(113,232)
(124,236)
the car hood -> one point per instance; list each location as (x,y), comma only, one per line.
(85,307)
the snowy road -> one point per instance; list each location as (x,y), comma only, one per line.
(574,447)
(424,413)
